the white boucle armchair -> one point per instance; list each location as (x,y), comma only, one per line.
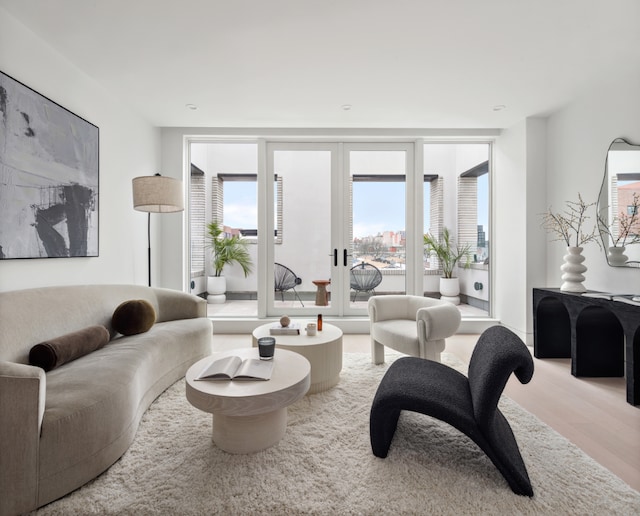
(414,325)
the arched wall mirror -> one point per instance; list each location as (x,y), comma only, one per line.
(619,204)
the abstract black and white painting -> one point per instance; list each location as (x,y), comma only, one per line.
(49,177)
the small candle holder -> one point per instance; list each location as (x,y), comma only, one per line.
(266,348)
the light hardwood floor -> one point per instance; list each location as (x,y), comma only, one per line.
(590,412)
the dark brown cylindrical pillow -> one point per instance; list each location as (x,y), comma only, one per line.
(55,352)
(133,317)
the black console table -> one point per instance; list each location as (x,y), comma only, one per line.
(601,336)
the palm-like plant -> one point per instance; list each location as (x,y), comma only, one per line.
(448,252)
(227,250)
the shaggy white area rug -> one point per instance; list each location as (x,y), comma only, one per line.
(324,465)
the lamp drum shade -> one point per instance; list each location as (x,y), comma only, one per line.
(157,194)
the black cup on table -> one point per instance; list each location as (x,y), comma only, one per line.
(266,347)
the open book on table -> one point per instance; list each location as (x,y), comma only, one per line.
(235,368)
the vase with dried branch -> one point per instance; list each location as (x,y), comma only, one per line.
(571,226)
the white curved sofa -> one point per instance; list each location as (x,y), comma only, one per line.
(414,325)
(62,428)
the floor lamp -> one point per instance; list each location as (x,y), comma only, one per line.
(156,194)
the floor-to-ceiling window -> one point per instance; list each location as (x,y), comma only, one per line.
(377,219)
(460,174)
(335,207)
(229,172)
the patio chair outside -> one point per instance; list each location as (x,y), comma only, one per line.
(285,279)
(364,277)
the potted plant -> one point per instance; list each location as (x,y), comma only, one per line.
(225,250)
(449,255)
(569,226)
(623,231)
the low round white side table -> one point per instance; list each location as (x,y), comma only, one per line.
(249,415)
(323,350)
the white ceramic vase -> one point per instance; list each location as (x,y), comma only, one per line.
(216,290)
(450,290)
(617,258)
(573,270)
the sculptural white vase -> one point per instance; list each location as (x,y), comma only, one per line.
(573,270)
(616,257)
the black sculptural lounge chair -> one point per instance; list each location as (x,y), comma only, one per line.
(468,404)
(364,277)
(285,279)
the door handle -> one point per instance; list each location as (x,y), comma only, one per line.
(344,256)
(335,257)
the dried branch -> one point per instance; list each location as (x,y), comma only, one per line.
(568,225)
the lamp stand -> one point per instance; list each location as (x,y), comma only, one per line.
(149,245)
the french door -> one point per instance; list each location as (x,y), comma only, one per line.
(344,226)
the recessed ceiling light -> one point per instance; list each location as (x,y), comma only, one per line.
(346,107)
(192,107)
(499,107)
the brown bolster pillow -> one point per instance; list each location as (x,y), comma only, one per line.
(55,352)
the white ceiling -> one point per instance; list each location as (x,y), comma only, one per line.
(294,63)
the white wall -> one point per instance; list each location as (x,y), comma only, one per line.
(536,240)
(510,222)
(556,158)
(578,139)
(518,193)
(129,146)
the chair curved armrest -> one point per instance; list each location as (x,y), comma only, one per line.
(174,305)
(498,353)
(22,401)
(438,322)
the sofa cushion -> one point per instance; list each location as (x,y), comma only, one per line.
(133,317)
(54,352)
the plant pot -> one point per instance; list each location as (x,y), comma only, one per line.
(450,290)
(216,289)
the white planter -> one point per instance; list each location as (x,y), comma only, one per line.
(450,290)
(616,257)
(216,289)
(572,271)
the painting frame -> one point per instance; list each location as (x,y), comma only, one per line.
(49,177)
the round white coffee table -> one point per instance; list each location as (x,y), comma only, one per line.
(323,350)
(249,415)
